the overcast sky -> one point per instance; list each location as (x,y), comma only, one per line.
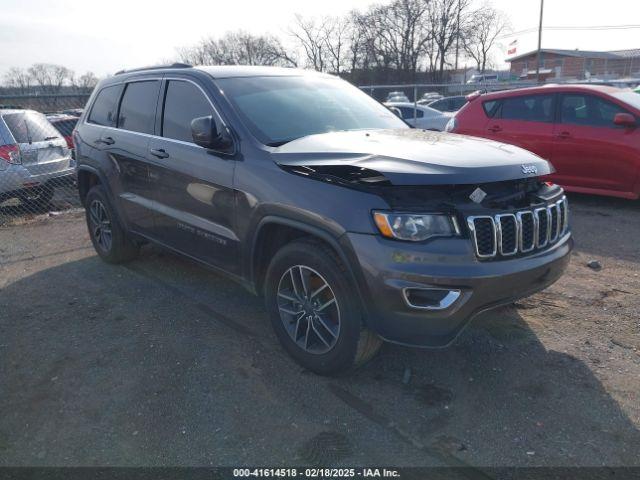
(104,36)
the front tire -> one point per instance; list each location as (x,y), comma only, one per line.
(315,310)
(110,240)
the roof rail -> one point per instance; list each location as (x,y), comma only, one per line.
(155,67)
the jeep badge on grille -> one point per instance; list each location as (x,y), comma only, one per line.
(529,169)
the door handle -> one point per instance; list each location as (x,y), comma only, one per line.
(495,129)
(160,153)
(563,135)
(106,140)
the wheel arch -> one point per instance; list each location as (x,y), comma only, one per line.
(87,178)
(274,231)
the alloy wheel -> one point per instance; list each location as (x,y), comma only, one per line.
(308,309)
(100,225)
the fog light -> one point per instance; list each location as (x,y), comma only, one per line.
(430,298)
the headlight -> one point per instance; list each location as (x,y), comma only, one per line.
(451,125)
(415,227)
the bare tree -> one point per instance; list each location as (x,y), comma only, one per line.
(483,29)
(443,19)
(18,78)
(238,48)
(359,53)
(336,33)
(310,34)
(86,81)
(49,77)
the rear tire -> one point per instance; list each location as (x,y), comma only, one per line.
(111,241)
(327,339)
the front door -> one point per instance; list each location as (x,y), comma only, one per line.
(590,151)
(195,200)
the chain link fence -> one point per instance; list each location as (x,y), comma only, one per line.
(426,93)
(37,161)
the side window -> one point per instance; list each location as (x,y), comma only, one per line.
(490,108)
(573,109)
(407,113)
(105,106)
(588,110)
(138,106)
(532,108)
(439,104)
(605,111)
(183,102)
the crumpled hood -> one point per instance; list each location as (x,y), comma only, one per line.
(415,157)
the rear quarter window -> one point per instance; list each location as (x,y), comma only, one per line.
(490,107)
(105,106)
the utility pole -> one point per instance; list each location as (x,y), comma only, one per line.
(539,43)
(457,35)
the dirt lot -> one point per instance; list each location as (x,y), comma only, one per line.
(161,362)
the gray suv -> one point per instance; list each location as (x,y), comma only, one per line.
(354,227)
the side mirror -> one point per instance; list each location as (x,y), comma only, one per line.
(624,120)
(204,131)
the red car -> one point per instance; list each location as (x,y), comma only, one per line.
(591,134)
(65,125)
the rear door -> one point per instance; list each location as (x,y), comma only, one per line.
(525,121)
(43,151)
(127,146)
(590,151)
(194,186)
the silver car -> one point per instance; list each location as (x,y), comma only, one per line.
(34,157)
(423,117)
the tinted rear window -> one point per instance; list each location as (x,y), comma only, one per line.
(138,106)
(105,106)
(27,127)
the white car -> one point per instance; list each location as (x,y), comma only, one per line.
(431,97)
(423,117)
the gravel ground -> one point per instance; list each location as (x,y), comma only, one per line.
(161,362)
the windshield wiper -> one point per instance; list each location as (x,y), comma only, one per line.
(26,127)
(46,139)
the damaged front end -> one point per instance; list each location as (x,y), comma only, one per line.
(501,195)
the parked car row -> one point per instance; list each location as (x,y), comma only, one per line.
(589,133)
(35,155)
(420,116)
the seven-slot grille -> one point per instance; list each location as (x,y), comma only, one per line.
(507,234)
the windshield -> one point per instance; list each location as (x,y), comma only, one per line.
(27,127)
(280,109)
(629,97)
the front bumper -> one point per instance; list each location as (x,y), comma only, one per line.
(388,267)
